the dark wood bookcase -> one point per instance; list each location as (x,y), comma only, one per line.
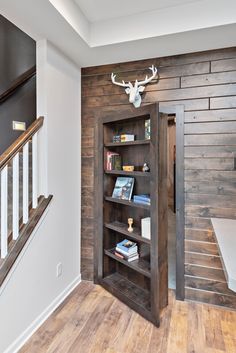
(141,284)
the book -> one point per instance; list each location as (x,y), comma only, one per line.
(126,245)
(144,199)
(119,255)
(146,227)
(116,163)
(133,258)
(113,161)
(147,129)
(143,202)
(123,188)
(116,138)
(108,165)
(127,253)
(124,256)
(126,137)
(129,259)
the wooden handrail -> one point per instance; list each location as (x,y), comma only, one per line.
(7,156)
(17,83)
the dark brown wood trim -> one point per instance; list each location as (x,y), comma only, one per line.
(20,142)
(26,232)
(17,83)
(178,110)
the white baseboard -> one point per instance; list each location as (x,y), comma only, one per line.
(21,340)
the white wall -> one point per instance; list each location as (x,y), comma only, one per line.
(33,289)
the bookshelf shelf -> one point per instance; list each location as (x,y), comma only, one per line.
(143,283)
(128,143)
(129,292)
(122,229)
(141,265)
(134,174)
(127,203)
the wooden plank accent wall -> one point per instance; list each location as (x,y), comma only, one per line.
(206,84)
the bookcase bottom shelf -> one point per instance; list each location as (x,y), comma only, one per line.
(129,293)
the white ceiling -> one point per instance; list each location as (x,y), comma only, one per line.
(188,27)
(99,10)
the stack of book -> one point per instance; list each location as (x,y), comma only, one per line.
(127,250)
(113,161)
(143,199)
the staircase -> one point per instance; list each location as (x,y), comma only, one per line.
(21,207)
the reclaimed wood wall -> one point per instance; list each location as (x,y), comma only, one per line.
(206,84)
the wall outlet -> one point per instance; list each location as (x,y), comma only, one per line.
(59,269)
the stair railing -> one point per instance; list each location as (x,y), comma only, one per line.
(11,157)
(27,75)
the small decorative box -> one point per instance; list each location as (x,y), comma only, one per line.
(128,168)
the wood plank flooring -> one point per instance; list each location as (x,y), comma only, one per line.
(91,320)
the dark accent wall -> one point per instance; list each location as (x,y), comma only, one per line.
(206,84)
(17,55)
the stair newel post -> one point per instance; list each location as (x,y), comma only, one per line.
(4,212)
(15,196)
(26,183)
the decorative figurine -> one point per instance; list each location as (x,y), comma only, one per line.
(146,168)
(130,223)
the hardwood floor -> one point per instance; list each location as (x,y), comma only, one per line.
(91,320)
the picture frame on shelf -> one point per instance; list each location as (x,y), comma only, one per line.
(123,188)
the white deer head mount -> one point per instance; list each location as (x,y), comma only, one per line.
(135,90)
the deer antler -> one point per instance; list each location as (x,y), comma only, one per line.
(148,79)
(123,84)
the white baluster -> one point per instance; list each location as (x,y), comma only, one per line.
(4,215)
(35,171)
(15,217)
(26,183)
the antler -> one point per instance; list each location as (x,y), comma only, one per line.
(123,84)
(148,79)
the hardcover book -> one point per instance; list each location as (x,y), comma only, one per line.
(123,188)
(145,199)
(129,258)
(127,253)
(147,129)
(113,161)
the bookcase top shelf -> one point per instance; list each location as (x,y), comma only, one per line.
(134,173)
(127,203)
(141,265)
(122,229)
(128,143)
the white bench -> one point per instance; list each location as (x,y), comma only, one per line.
(225,231)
